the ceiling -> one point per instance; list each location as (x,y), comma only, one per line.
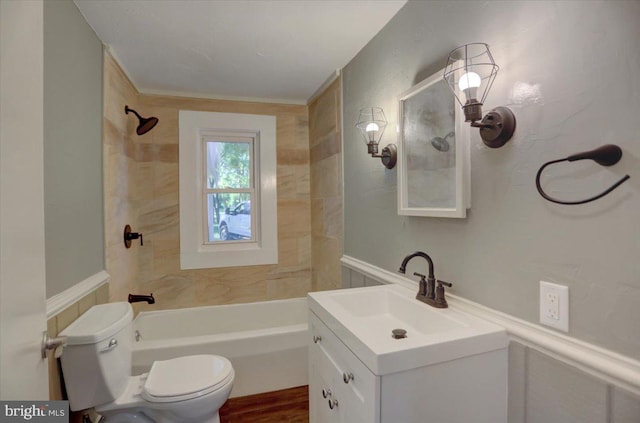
(271,50)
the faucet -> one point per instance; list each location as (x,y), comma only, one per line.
(427,292)
(138,298)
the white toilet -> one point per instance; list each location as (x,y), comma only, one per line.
(96,365)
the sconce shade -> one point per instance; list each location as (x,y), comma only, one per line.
(144,124)
(470,72)
(372,123)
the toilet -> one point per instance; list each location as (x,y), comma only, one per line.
(96,366)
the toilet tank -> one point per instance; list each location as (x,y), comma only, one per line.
(96,362)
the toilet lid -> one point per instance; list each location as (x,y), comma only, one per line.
(186,377)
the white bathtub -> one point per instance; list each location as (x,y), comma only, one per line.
(266,341)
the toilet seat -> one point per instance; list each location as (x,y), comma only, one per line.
(185,378)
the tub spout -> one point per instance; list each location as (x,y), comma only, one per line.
(138,298)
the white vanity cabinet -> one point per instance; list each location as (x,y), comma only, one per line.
(341,388)
(359,374)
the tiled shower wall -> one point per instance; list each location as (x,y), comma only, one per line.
(141,186)
(543,389)
(121,189)
(325,137)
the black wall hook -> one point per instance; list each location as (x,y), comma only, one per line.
(607,155)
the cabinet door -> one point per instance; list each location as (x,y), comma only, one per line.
(320,383)
(358,397)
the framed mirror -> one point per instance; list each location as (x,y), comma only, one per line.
(433,152)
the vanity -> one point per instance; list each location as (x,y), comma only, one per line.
(447,367)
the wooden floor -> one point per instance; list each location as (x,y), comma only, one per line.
(286,406)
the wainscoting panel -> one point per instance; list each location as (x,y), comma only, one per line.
(542,388)
(517,382)
(559,393)
(625,407)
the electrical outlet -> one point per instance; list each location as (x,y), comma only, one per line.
(554,305)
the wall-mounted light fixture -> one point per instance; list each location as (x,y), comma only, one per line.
(144,124)
(470,73)
(372,123)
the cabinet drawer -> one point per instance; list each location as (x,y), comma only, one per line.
(358,396)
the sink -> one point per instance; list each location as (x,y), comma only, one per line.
(363,319)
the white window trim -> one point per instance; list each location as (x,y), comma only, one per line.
(194,252)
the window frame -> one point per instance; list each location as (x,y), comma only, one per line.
(252,138)
(194,252)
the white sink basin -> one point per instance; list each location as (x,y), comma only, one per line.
(363,319)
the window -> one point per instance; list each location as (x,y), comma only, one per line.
(228,199)
(229,187)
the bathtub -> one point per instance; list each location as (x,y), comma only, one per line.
(266,341)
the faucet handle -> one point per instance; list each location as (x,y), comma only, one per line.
(419,274)
(440,301)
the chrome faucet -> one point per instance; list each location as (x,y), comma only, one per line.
(427,292)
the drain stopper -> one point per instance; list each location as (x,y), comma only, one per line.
(398,333)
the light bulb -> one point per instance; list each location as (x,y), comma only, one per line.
(372,127)
(469,83)
(469,80)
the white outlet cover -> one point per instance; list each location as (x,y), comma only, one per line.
(548,310)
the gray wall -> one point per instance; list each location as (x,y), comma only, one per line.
(74,227)
(569,73)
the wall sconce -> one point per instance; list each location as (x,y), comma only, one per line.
(372,123)
(470,73)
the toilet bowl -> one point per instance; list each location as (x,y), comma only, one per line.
(96,366)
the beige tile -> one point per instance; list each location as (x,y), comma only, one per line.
(86,302)
(145,265)
(303,181)
(159,220)
(323,116)
(294,216)
(326,253)
(325,178)
(55,381)
(144,182)
(66,317)
(302,131)
(332,217)
(165,183)
(170,292)
(52,327)
(317,217)
(231,292)
(166,256)
(326,147)
(286,134)
(292,156)
(102,294)
(289,287)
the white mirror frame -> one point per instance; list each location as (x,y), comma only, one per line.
(463,168)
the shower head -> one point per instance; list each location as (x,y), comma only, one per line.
(145,124)
(442,144)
